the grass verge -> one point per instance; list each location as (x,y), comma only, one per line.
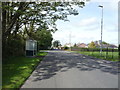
(17,69)
(104,56)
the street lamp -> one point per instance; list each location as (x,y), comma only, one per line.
(70,40)
(101,29)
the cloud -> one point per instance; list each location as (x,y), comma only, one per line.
(111,28)
(107,4)
(89,24)
(86,27)
(88,21)
(110,4)
(105,0)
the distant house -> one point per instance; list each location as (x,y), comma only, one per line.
(98,44)
(105,46)
(112,46)
(68,45)
(82,45)
(109,46)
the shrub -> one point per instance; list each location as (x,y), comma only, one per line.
(65,48)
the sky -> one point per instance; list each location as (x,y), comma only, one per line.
(86,26)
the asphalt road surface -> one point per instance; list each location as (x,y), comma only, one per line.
(63,69)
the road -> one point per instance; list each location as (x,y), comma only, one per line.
(63,69)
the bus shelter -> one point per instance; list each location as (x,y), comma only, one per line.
(31,47)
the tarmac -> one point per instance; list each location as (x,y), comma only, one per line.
(64,69)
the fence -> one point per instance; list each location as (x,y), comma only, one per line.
(107,53)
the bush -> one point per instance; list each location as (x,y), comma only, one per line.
(65,48)
(15,46)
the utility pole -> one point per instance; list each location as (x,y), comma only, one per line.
(70,40)
(101,45)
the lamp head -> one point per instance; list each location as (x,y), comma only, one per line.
(100,6)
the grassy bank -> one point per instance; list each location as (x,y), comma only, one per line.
(17,69)
(104,56)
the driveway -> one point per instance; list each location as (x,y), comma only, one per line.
(63,69)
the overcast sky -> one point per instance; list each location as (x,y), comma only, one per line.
(85,27)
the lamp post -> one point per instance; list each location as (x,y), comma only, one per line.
(101,29)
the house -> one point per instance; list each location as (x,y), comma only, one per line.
(82,45)
(98,44)
(68,45)
(112,46)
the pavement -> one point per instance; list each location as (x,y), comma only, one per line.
(63,69)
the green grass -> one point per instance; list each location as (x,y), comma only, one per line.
(97,55)
(17,69)
(42,54)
